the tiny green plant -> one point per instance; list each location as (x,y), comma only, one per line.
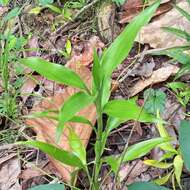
(64,11)
(118,111)
(154,100)
(10,47)
(181,91)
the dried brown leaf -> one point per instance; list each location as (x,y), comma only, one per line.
(9,172)
(157,76)
(133,7)
(154,35)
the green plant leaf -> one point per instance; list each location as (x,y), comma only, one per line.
(164,133)
(54,8)
(157,164)
(54,72)
(36,10)
(73,105)
(12,14)
(114,162)
(145,186)
(68,47)
(56,153)
(127,110)
(167,155)
(48,187)
(163,180)
(183,12)
(178,166)
(45,2)
(119,2)
(106,90)
(77,146)
(121,47)
(178,32)
(154,100)
(140,149)
(4,2)
(184,133)
(80,119)
(96,71)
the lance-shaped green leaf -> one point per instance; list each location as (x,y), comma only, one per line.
(56,153)
(121,47)
(48,187)
(72,106)
(164,133)
(163,180)
(184,134)
(135,151)
(178,167)
(140,149)
(178,32)
(77,146)
(183,12)
(146,186)
(157,164)
(96,71)
(127,110)
(55,72)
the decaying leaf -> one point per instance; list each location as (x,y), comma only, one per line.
(133,7)
(9,172)
(157,38)
(46,128)
(132,170)
(157,76)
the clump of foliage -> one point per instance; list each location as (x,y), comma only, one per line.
(118,111)
(10,47)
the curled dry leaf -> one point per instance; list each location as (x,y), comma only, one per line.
(157,38)
(133,7)
(157,76)
(46,128)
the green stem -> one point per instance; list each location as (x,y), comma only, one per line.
(97,164)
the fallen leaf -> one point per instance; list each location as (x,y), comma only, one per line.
(9,172)
(5,158)
(154,35)
(132,170)
(157,76)
(30,173)
(46,128)
(133,7)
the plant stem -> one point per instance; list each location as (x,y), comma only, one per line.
(98,151)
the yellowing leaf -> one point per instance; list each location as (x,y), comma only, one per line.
(178,166)
(163,180)
(36,10)
(157,164)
